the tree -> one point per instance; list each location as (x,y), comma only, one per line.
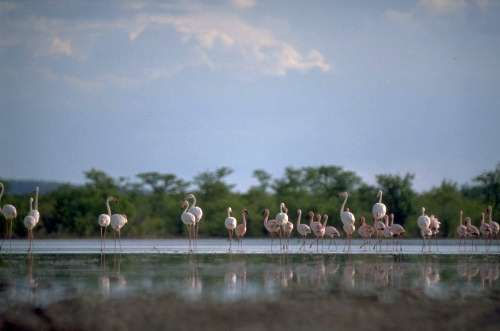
(263,178)
(398,194)
(488,184)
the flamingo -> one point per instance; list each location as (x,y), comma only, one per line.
(461,230)
(434,226)
(104,220)
(365,231)
(287,230)
(189,221)
(230,224)
(397,230)
(241,229)
(9,212)
(472,231)
(485,229)
(349,229)
(345,215)
(387,229)
(303,229)
(423,222)
(198,214)
(282,216)
(379,232)
(379,209)
(495,227)
(317,229)
(35,213)
(118,221)
(331,232)
(271,226)
(30,222)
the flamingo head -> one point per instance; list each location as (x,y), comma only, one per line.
(184,204)
(189,196)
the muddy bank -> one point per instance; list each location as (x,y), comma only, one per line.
(294,312)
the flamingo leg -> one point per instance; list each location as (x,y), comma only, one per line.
(101,239)
(114,237)
(120,240)
(104,239)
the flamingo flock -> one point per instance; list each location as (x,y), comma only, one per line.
(382,228)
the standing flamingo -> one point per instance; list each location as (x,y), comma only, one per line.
(104,220)
(485,229)
(379,209)
(387,230)
(198,214)
(379,232)
(241,229)
(303,229)
(345,215)
(317,229)
(118,221)
(398,231)
(30,223)
(282,219)
(230,224)
(423,222)
(287,230)
(472,231)
(434,226)
(349,229)
(495,227)
(365,231)
(461,231)
(331,232)
(189,221)
(9,212)
(272,226)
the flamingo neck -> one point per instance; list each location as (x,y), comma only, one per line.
(266,217)
(380,196)
(461,218)
(490,214)
(325,218)
(229,212)
(482,218)
(281,206)
(345,201)
(108,207)
(298,217)
(36,198)
(31,205)
(244,219)
(1,191)
(187,207)
(423,211)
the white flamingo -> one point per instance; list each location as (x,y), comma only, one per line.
(30,223)
(35,213)
(345,215)
(282,216)
(424,222)
(349,229)
(104,220)
(303,229)
(9,212)
(189,220)
(287,230)
(379,209)
(198,214)
(118,221)
(230,224)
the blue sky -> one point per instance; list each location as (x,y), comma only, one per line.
(187,86)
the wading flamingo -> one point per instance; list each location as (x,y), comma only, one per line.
(198,214)
(365,231)
(317,229)
(104,220)
(495,227)
(331,232)
(423,222)
(387,230)
(282,216)
(379,232)
(271,226)
(461,231)
(303,229)
(485,229)
(398,231)
(230,224)
(472,231)
(349,229)
(379,209)
(434,226)
(189,221)
(35,213)
(345,215)
(29,223)
(287,230)
(9,212)
(241,229)
(118,221)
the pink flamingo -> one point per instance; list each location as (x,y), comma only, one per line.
(485,229)
(303,229)
(472,231)
(331,232)
(434,226)
(387,230)
(272,226)
(318,229)
(379,231)
(241,229)
(461,231)
(495,227)
(365,231)
(397,230)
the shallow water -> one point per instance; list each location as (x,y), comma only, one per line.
(248,246)
(46,278)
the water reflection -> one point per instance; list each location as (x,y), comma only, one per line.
(231,277)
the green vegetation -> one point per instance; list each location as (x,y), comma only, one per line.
(152,200)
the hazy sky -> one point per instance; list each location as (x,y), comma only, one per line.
(187,86)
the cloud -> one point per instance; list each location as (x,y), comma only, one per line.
(243,4)
(221,37)
(6,7)
(60,47)
(399,16)
(441,7)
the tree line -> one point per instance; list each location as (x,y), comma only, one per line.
(152,200)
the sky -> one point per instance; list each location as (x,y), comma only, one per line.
(188,86)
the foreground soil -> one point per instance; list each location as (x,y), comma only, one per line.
(298,312)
